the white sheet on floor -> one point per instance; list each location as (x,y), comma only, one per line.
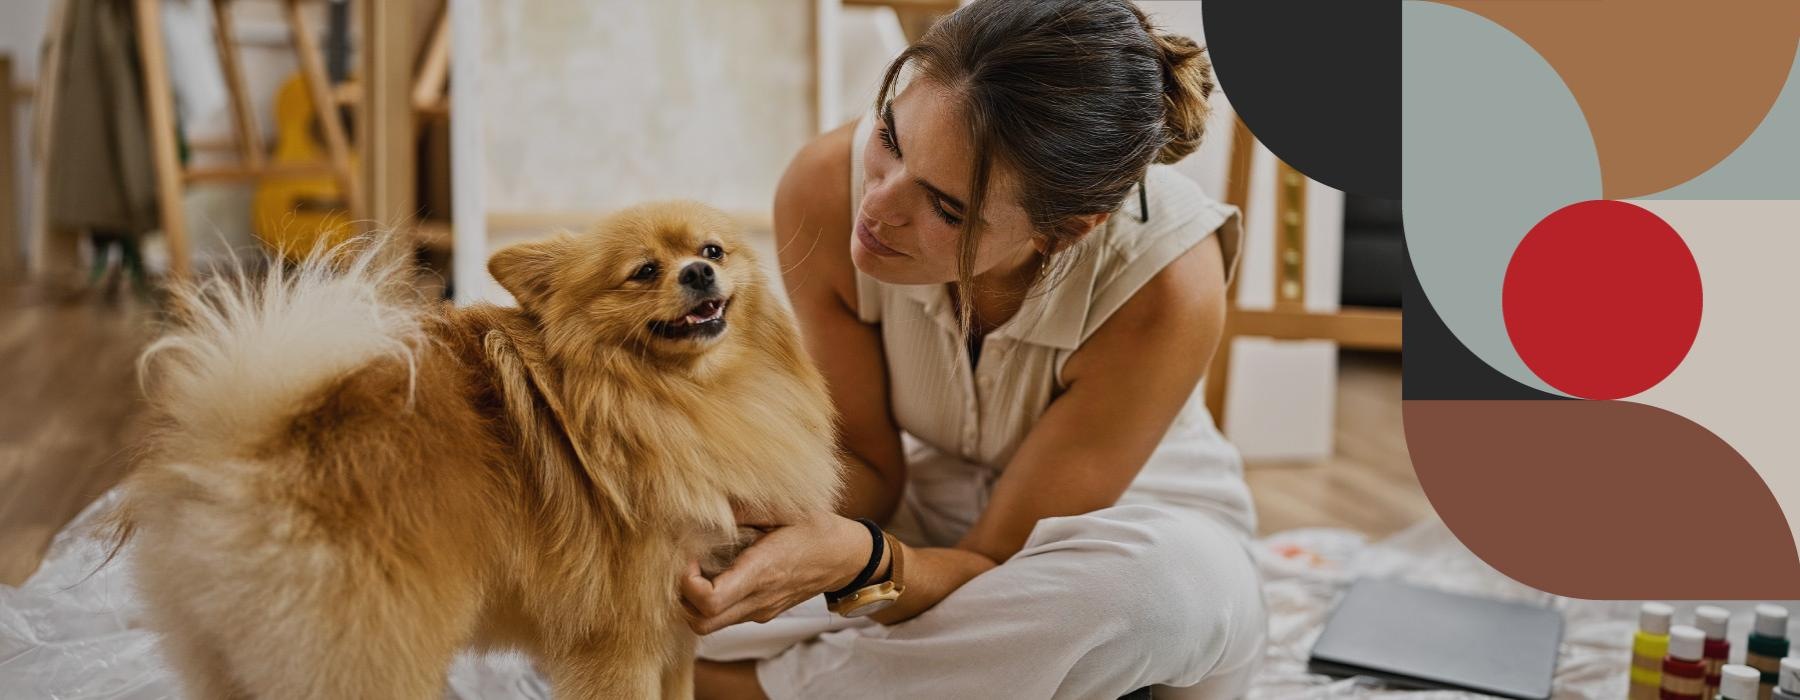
(1304,571)
(72,631)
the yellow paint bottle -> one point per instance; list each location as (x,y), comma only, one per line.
(1648,647)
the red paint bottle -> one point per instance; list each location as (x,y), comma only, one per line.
(1684,671)
(1713,621)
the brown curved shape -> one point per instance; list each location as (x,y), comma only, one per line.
(1602,499)
(1669,87)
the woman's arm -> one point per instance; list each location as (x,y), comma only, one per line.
(823,551)
(1124,388)
(812,234)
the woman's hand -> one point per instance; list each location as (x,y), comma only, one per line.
(793,562)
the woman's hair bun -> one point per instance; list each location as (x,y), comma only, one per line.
(1187,85)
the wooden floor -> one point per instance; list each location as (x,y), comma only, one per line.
(1368,483)
(67,362)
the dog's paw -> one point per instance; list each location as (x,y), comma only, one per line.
(721,556)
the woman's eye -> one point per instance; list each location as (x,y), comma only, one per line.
(712,252)
(949,218)
(648,271)
(887,141)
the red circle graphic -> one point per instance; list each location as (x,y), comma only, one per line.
(1602,299)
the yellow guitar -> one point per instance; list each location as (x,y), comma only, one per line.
(293,213)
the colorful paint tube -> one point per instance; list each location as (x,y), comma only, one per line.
(1768,645)
(1648,647)
(1683,674)
(1713,621)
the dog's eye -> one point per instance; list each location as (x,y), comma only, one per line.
(647,272)
(712,251)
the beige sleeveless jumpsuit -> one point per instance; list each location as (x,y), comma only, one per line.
(1158,589)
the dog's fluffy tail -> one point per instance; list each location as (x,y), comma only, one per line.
(243,353)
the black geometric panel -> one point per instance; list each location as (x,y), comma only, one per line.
(1318,81)
(1438,366)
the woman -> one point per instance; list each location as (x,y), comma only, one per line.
(990,264)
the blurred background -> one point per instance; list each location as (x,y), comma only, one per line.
(154,140)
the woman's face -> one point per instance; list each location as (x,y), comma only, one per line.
(916,183)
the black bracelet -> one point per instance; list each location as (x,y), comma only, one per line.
(875,552)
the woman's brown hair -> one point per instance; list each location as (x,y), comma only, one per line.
(1075,97)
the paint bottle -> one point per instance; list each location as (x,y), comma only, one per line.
(1739,682)
(1683,676)
(1713,620)
(1789,686)
(1648,647)
(1768,645)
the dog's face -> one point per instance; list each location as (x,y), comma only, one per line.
(663,279)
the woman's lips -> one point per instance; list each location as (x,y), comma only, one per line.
(872,243)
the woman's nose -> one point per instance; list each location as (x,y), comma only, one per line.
(881,203)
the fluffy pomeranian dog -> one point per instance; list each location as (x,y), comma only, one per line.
(345,489)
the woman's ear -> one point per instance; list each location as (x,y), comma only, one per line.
(528,270)
(1073,230)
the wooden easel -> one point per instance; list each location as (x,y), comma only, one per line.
(172,178)
(1350,327)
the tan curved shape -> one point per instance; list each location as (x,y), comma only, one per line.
(1739,379)
(1669,87)
(1602,499)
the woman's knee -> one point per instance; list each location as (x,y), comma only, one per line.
(1167,577)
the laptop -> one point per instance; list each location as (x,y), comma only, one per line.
(1421,638)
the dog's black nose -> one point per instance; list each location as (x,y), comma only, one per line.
(698,276)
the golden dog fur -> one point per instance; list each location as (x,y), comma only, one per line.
(346,489)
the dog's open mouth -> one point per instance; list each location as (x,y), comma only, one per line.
(705,320)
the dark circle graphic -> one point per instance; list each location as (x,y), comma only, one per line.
(1323,92)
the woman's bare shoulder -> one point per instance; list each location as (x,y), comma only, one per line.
(1179,313)
(812,214)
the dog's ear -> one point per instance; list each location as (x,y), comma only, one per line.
(528,270)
